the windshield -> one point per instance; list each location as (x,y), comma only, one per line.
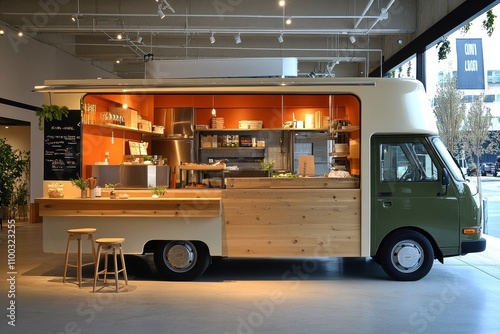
(453,168)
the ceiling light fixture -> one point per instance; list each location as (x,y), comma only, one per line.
(280,38)
(2,32)
(119,36)
(162,6)
(212,39)
(288,20)
(352,39)
(138,39)
(161,13)
(237,39)
(20,34)
(282,3)
(214,112)
(400,41)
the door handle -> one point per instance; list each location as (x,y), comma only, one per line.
(386,205)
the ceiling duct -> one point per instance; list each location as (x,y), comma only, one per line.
(223,68)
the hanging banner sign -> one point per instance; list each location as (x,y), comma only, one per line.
(470,63)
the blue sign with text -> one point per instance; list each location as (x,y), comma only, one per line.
(470,63)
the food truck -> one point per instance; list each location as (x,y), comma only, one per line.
(388,190)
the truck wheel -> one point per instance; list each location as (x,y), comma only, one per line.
(406,256)
(181,260)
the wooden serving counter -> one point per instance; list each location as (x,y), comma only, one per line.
(251,217)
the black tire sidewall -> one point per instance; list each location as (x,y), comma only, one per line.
(202,260)
(385,255)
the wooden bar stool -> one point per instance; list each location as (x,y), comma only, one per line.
(78,234)
(108,246)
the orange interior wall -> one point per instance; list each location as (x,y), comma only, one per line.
(273,110)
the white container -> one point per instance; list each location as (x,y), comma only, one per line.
(250,125)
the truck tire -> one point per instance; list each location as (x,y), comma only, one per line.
(181,260)
(406,256)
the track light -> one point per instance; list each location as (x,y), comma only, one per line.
(352,39)
(162,5)
(2,32)
(119,37)
(20,34)
(161,14)
(280,38)
(237,39)
(282,3)
(138,39)
(288,20)
(212,39)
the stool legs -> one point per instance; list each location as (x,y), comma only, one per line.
(109,249)
(77,234)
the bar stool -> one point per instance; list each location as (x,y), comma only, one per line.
(108,246)
(78,234)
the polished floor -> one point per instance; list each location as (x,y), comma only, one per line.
(249,296)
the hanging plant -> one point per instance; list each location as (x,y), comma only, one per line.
(443,49)
(489,22)
(50,112)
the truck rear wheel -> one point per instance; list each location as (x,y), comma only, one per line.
(406,256)
(181,260)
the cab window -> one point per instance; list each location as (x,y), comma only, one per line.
(406,162)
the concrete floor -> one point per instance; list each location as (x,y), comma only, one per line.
(251,296)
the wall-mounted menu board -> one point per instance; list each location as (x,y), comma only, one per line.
(62,148)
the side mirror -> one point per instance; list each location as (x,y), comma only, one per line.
(445,177)
(445,181)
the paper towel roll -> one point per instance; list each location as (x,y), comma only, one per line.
(309,121)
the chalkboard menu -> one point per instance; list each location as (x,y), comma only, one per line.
(62,148)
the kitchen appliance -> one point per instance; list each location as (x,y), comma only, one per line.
(311,143)
(176,122)
(176,145)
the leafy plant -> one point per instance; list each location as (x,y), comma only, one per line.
(49,113)
(158,191)
(266,165)
(443,49)
(111,185)
(13,164)
(80,183)
(488,23)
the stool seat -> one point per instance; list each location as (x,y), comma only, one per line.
(110,240)
(108,246)
(84,230)
(78,234)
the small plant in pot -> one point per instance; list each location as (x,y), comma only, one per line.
(157,191)
(82,184)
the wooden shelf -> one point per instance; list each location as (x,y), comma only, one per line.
(232,148)
(253,130)
(125,128)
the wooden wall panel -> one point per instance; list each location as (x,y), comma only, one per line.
(302,222)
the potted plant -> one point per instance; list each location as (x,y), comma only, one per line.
(13,164)
(157,191)
(49,112)
(82,184)
(111,188)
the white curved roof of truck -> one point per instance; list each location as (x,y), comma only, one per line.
(387,105)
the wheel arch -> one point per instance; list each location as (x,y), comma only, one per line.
(437,252)
(151,245)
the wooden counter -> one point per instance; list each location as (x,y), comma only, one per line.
(292,183)
(131,207)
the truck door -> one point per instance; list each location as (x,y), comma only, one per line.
(407,192)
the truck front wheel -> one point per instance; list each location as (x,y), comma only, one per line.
(181,260)
(406,256)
